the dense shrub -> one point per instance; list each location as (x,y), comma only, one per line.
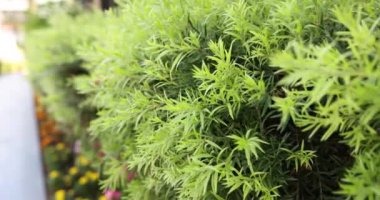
(226,99)
(51,53)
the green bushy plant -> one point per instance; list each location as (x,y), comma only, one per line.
(331,90)
(223,99)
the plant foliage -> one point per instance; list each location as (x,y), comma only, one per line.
(249,99)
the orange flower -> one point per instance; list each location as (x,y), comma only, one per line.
(41,115)
(43,133)
(46,141)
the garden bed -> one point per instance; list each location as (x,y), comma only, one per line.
(70,175)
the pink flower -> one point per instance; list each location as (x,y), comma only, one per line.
(130,176)
(112,195)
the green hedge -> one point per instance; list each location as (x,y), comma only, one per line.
(223,99)
(53,62)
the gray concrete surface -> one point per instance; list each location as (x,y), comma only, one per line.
(21,174)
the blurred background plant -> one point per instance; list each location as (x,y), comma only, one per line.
(70,174)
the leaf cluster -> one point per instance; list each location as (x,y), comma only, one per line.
(220,99)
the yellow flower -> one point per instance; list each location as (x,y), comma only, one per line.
(83,161)
(60,146)
(83,180)
(53,174)
(60,195)
(88,174)
(102,198)
(73,171)
(92,175)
